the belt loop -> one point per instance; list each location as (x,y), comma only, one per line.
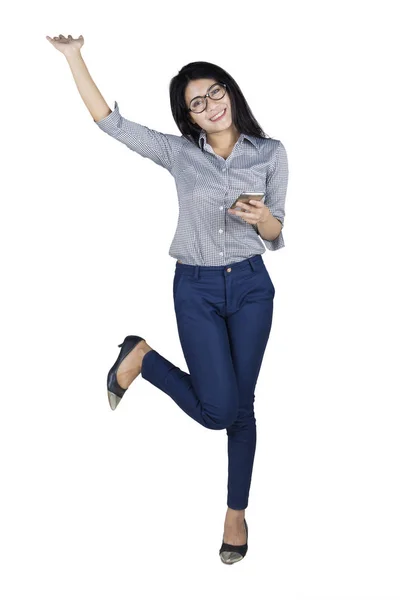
(196,271)
(251,264)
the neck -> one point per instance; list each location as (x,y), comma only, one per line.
(222,140)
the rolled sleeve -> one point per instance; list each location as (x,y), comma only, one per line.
(161,148)
(275,197)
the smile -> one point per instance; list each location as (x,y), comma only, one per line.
(221,114)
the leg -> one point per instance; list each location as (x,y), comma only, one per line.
(209,393)
(249,328)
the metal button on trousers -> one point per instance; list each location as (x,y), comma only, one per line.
(224,318)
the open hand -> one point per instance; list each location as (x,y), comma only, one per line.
(66,46)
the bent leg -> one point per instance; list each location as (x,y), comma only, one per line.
(208,393)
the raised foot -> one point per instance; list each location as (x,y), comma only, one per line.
(131,366)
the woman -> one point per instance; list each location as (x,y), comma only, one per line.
(223,294)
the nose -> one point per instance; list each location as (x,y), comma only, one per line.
(212,105)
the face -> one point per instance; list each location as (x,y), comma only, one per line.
(200,87)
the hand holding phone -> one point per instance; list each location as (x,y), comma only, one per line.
(245,197)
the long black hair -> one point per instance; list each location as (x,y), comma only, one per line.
(242,116)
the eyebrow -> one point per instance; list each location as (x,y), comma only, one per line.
(202,96)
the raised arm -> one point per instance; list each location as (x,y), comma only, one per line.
(71,48)
(161,148)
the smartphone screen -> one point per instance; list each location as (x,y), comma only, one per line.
(245,197)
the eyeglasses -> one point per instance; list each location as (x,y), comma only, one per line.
(216,92)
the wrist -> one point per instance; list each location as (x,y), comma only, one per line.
(73,55)
(266,217)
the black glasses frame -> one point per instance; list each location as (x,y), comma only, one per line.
(206,96)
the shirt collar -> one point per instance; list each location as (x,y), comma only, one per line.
(243,136)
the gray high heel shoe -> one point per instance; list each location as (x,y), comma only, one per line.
(230,553)
(114,390)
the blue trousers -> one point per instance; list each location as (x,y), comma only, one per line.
(224,317)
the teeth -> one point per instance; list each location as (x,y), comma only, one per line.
(216,116)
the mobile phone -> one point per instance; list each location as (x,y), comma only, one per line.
(245,197)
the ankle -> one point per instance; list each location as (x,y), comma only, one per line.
(143,350)
(234,515)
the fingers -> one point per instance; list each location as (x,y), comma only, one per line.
(62,38)
(243,205)
(249,216)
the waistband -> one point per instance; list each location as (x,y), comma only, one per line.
(237,266)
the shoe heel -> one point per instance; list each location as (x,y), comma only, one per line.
(132,338)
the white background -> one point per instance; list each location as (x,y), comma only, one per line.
(128,504)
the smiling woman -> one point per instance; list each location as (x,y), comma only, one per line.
(223,294)
(212,107)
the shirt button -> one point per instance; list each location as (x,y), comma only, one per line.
(221,230)
(224,168)
(221,208)
(221,253)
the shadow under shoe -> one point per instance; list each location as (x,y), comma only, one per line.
(115,391)
(230,553)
